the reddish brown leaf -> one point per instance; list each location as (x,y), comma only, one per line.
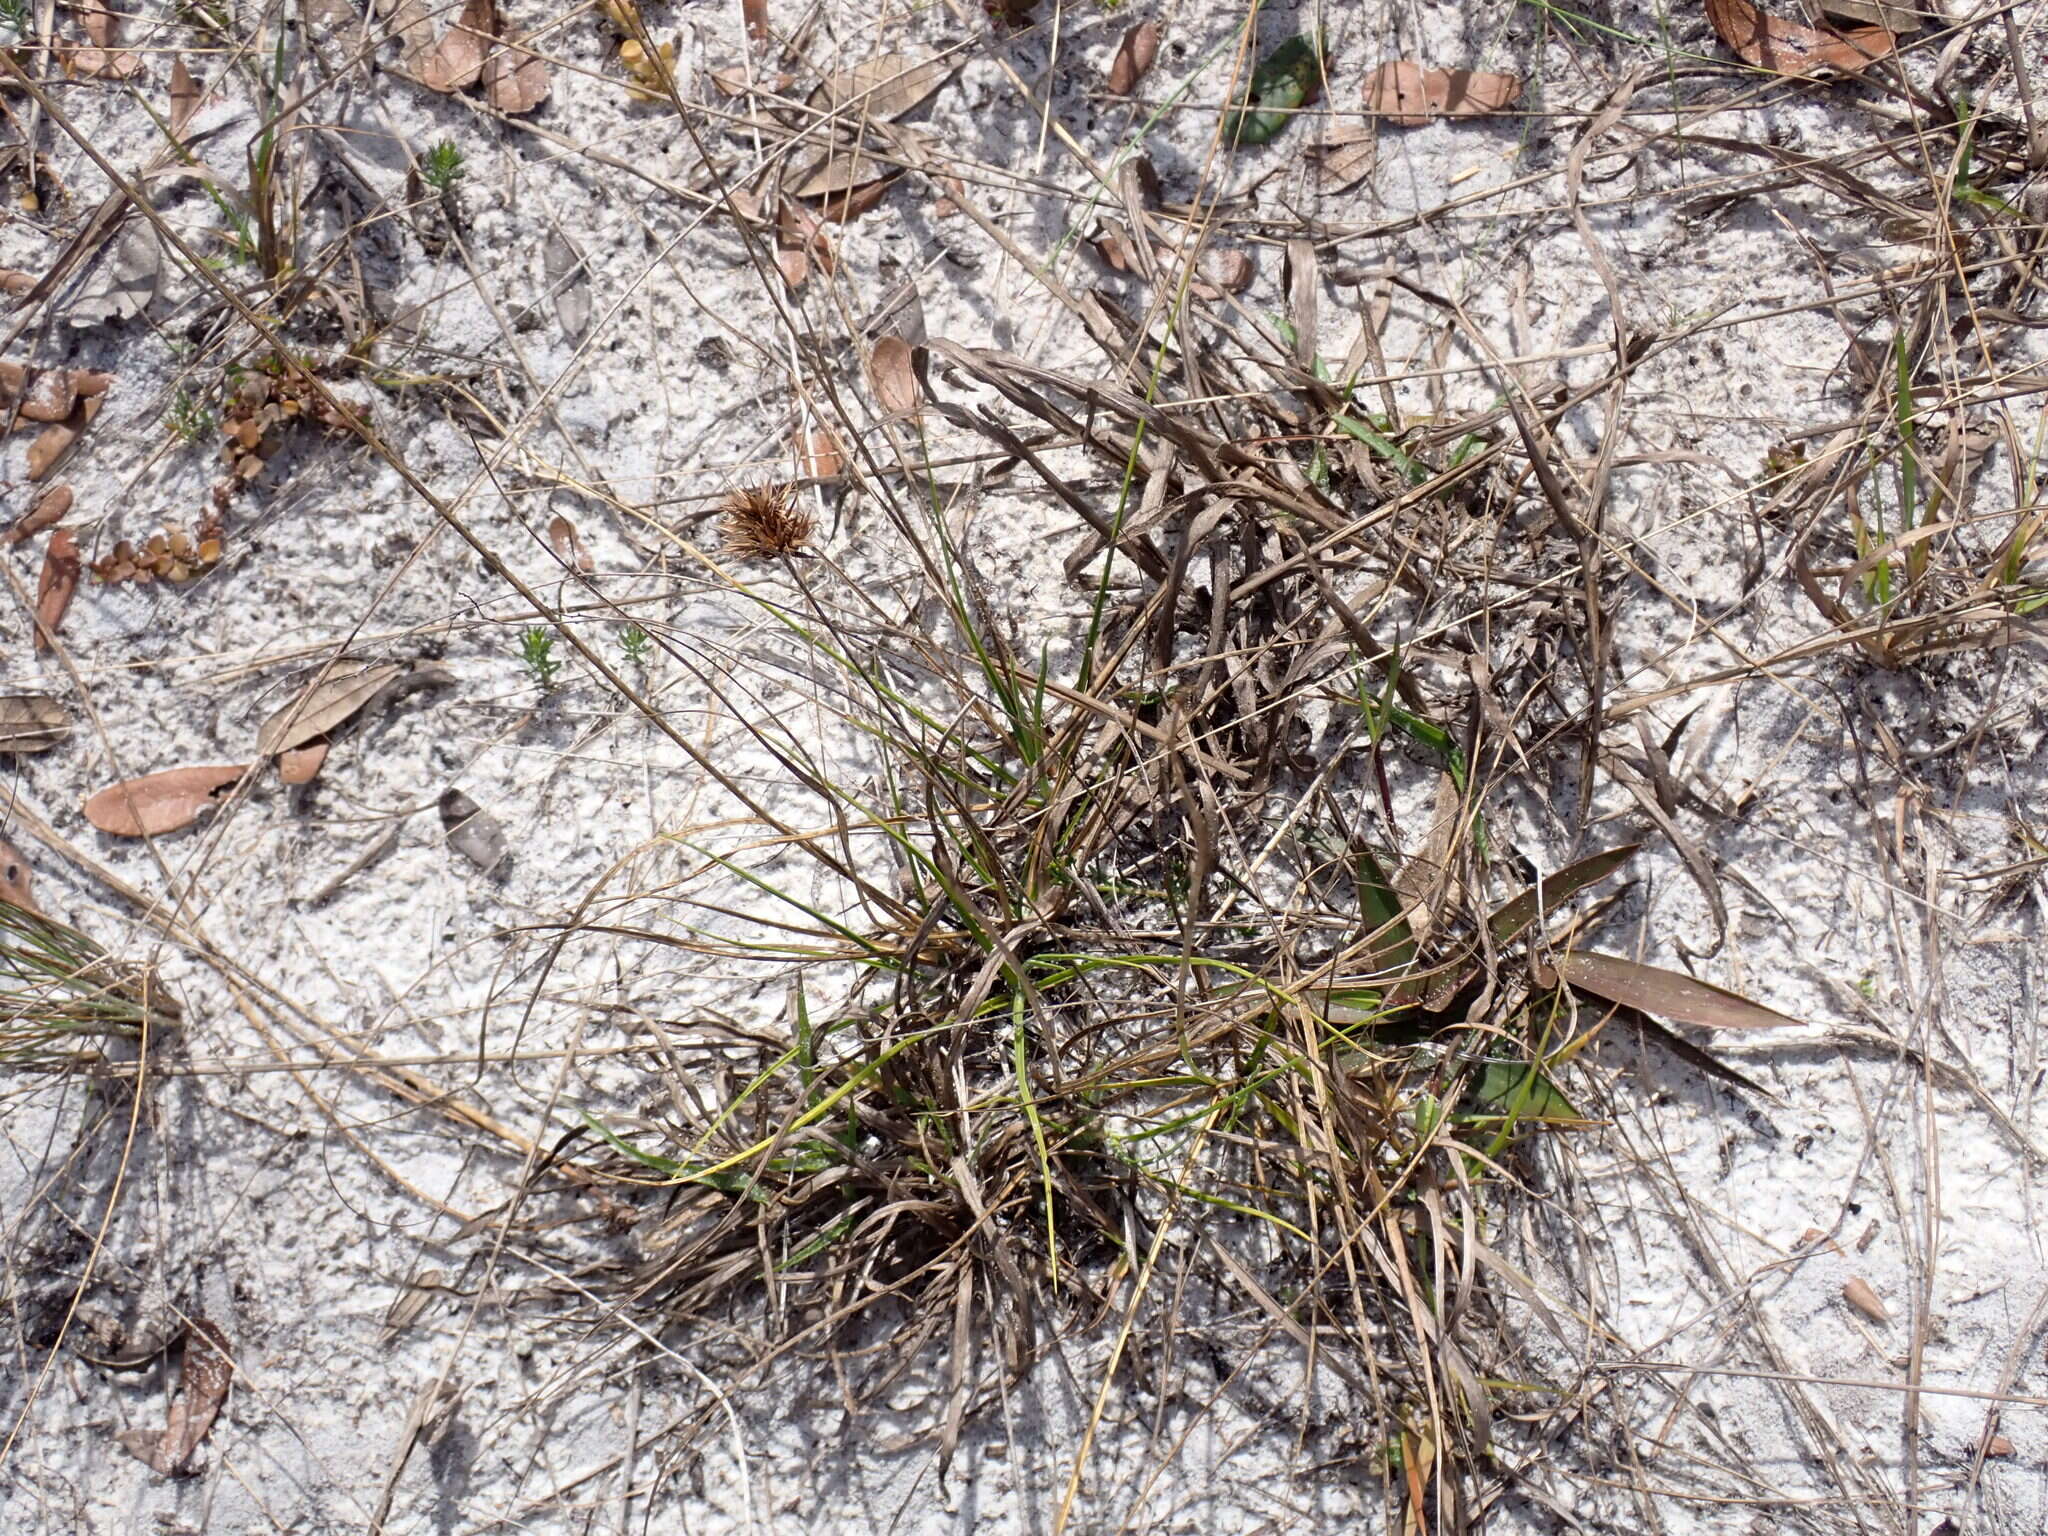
(892,374)
(820,457)
(515,81)
(1134,56)
(794,266)
(50,395)
(16,882)
(48,508)
(1408,95)
(1224,272)
(184,96)
(160,802)
(1395,91)
(16,284)
(327,703)
(754,14)
(458,61)
(1857,1292)
(54,442)
(61,570)
(201,1391)
(567,544)
(1667,994)
(1791,48)
(301,765)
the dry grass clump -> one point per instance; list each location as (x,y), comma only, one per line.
(764,522)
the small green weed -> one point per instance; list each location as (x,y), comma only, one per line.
(441,167)
(637,645)
(190,419)
(537,650)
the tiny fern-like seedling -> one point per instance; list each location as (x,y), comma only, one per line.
(442,166)
(634,641)
(537,650)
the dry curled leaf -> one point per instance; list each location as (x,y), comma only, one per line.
(1857,1292)
(202,1388)
(48,508)
(458,60)
(31,722)
(161,802)
(1408,95)
(892,374)
(16,883)
(471,831)
(567,544)
(59,581)
(1790,47)
(1667,994)
(327,703)
(1134,56)
(515,80)
(301,765)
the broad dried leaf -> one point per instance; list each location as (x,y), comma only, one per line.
(31,722)
(754,15)
(61,569)
(301,765)
(885,87)
(820,457)
(472,832)
(127,279)
(459,59)
(1666,994)
(330,701)
(184,96)
(48,508)
(1134,57)
(840,169)
(567,544)
(49,394)
(102,61)
(201,1391)
(892,374)
(161,802)
(1408,95)
(1791,48)
(1512,916)
(17,883)
(569,281)
(1396,91)
(1346,154)
(515,81)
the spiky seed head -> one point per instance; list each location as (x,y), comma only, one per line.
(761,522)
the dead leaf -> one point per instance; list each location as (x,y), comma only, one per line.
(49,396)
(1346,154)
(892,375)
(567,544)
(1790,47)
(458,60)
(326,704)
(31,722)
(127,279)
(820,457)
(102,61)
(301,765)
(843,208)
(184,96)
(754,14)
(1998,1445)
(202,1388)
(886,87)
(16,884)
(1223,272)
(515,80)
(1857,1292)
(1877,13)
(16,284)
(1408,95)
(1134,56)
(47,508)
(1666,994)
(569,282)
(161,802)
(61,570)
(54,442)
(472,832)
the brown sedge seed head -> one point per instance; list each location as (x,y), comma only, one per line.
(763,522)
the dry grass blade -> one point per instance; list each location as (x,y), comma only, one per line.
(62,995)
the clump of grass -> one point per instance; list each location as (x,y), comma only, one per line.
(764,522)
(62,996)
(189,418)
(537,651)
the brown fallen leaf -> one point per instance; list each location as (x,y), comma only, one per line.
(202,1388)
(1998,1445)
(1345,154)
(567,544)
(457,61)
(46,509)
(1407,95)
(328,703)
(301,765)
(160,802)
(472,831)
(31,722)
(886,87)
(184,96)
(1667,994)
(754,16)
(50,394)
(55,441)
(892,375)
(1792,48)
(1857,1292)
(515,80)
(819,456)
(1134,57)
(102,61)
(55,588)
(1223,272)
(16,284)
(16,881)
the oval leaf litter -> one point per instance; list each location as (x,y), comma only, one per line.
(162,802)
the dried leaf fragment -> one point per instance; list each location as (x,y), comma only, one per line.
(458,60)
(202,1388)
(820,456)
(892,374)
(327,703)
(1666,994)
(31,722)
(515,80)
(58,583)
(472,831)
(184,96)
(161,802)
(55,441)
(567,544)
(1857,1292)
(1792,48)
(1134,58)
(886,87)
(301,765)
(1407,95)
(16,881)
(16,284)
(50,507)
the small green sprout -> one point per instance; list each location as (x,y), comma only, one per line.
(634,641)
(442,167)
(187,417)
(537,650)
(14,17)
